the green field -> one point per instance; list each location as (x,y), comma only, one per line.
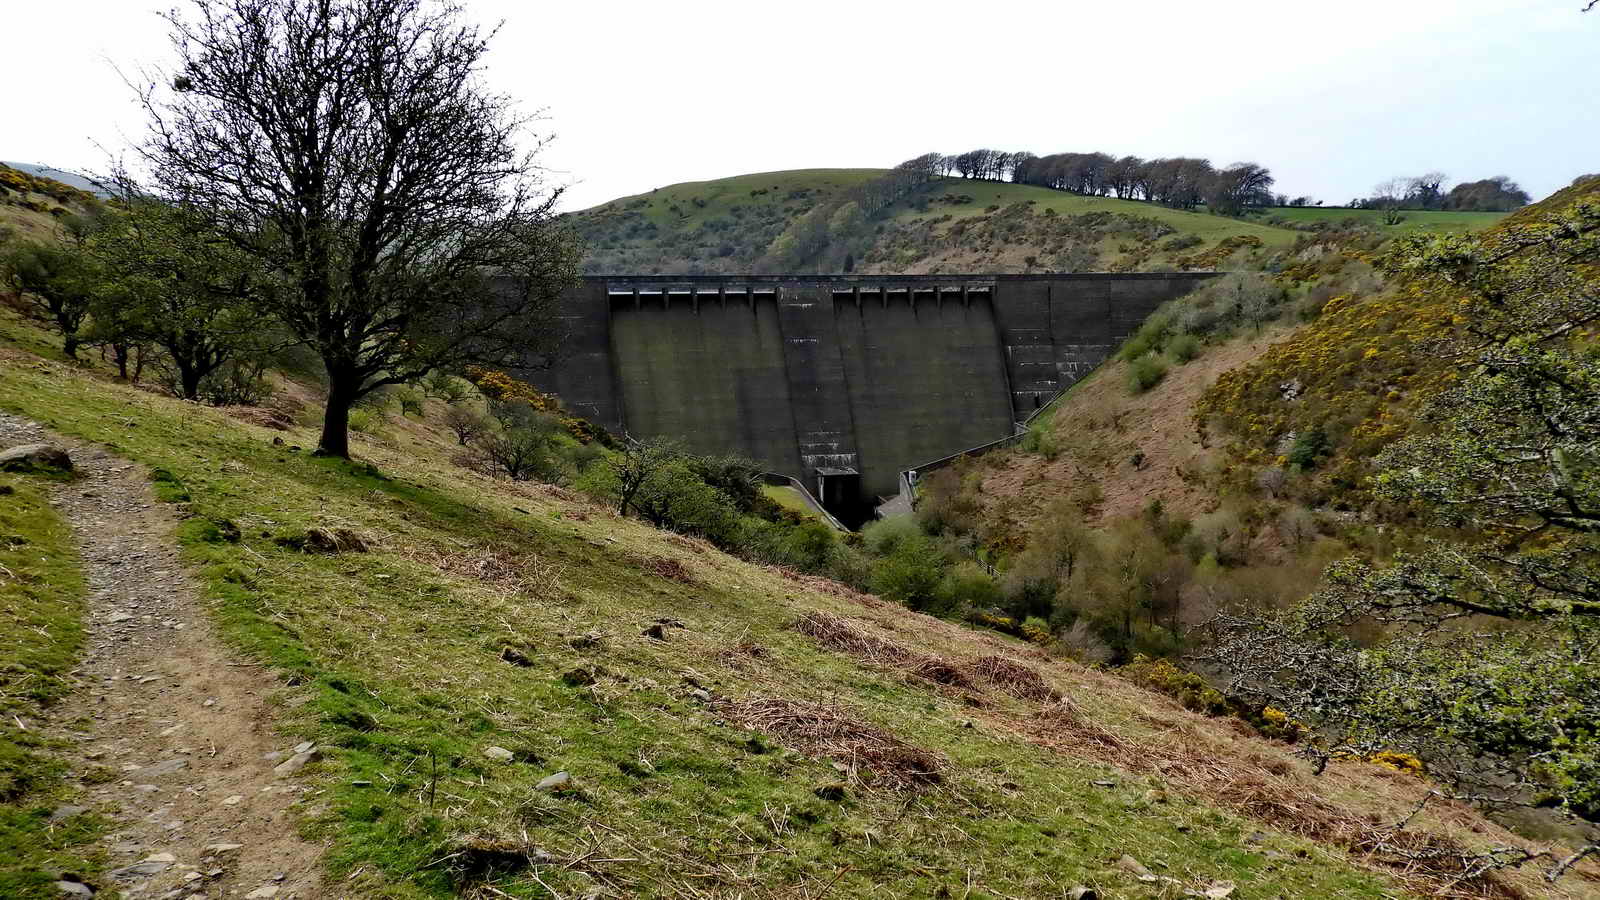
(691,204)
(788,498)
(999,193)
(1437,221)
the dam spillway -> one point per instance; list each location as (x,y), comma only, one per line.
(831,376)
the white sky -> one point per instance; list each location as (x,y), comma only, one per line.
(1332,96)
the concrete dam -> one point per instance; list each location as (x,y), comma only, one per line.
(840,381)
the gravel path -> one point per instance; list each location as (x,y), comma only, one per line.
(173,733)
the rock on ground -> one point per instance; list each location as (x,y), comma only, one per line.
(35,456)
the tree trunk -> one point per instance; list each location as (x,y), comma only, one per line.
(120,353)
(335,440)
(189,380)
(69,345)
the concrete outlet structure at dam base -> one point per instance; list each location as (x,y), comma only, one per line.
(840,381)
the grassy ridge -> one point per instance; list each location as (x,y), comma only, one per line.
(483,609)
(988,193)
(726,225)
(41,637)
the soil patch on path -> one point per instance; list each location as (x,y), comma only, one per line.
(173,734)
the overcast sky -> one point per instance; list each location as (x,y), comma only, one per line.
(1333,97)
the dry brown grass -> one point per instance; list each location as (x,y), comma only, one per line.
(1010,676)
(1269,791)
(520,572)
(1014,678)
(940,671)
(836,633)
(666,567)
(836,733)
(335,540)
(265,417)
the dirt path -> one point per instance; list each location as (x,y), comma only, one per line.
(177,727)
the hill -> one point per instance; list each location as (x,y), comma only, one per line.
(34,204)
(713,727)
(952,224)
(70,179)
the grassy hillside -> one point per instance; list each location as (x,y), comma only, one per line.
(776,736)
(33,205)
(726,226)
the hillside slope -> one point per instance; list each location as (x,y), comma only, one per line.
(727,225)
(33,204)
(725,729)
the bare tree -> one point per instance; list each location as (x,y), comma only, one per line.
(638,463)
(465,423)
(1389,196)
(348,145)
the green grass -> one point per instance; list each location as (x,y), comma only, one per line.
(718,197)
(41,637)
(399,654)
(1433,221)
(788,498)
(990,193)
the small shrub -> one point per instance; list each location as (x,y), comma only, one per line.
(365,420)
(884,536)
(967,587)
(1146,372)
(912,576)
(410,403)
(1085,645)
(238,383)
(1183,347)
(1309,446)
(1041,440)
(468,425)
(1392,759)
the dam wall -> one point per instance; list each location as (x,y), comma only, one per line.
(851,378)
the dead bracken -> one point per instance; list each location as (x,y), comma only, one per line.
(668,568)
(1269,794)
(836,733)
(520,572)
(837,633)
(1008,675)
(1014,678)
(331,540)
